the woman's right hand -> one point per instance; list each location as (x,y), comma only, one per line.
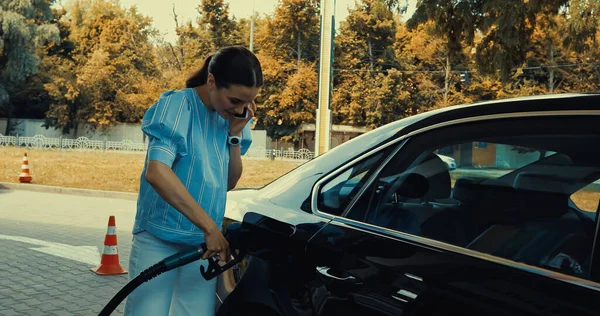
(216,245)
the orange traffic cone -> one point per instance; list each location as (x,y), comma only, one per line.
(109,263)
(25,177)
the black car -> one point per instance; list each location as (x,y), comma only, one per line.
(380,225)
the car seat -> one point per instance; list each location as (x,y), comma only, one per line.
(543,233)
(477,201)
(408,214)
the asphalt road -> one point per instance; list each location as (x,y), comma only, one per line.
(48,244)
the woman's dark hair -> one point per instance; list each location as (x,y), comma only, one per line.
(229,65)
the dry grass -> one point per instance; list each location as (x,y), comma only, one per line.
(121,172)
(586,200)
(108,171)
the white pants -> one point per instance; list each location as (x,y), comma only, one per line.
(181,291)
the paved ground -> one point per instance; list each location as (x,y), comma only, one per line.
(40,282)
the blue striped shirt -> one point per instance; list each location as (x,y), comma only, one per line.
(192,140)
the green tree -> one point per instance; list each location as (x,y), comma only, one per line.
(294,31)
(507,27)
(421,52)
(454,22)
(285,110)
(24,28)
(111,66)
(31,100)
(364,59)
(581,25)
(194,45)
(215,18)
(287,45)
(366,37)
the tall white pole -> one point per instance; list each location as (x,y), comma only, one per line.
(323,126)
(252,28)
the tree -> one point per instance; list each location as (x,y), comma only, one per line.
(295,104)
(452,21)
(194,46)
(506,27)
(25,27)
(582,25)
(366,37)
(372,100)
(112,65)
(294,31)
(196,41)
(215,18)
(547,52)
(287,46)
(422,53)
(364,52)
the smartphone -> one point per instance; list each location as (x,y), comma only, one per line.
(242,116)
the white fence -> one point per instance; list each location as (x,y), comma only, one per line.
(128,146)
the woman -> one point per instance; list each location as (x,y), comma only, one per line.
(194,158)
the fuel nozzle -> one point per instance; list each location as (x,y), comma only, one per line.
(233,234)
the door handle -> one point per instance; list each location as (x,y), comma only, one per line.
(324,271)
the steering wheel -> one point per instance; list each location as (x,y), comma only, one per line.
(409,185)
(387,192)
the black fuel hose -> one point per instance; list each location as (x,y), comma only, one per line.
(177,260)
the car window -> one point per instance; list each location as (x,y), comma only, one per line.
(335,194)
(495,196)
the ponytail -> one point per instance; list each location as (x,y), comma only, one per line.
(201,76)
(229,65)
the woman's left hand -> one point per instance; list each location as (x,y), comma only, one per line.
(236,125)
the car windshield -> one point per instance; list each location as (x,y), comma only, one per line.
(293,188)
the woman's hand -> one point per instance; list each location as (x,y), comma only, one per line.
(216,245)
(236,125)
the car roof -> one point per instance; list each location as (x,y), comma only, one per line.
(540,103)
(351,149)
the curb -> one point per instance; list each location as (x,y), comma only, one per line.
(70,191)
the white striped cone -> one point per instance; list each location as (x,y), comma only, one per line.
(25,176)
(109,263)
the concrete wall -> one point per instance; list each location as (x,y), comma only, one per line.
(506,157)
(30,128)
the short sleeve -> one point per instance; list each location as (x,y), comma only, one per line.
(246,137)
(167,124)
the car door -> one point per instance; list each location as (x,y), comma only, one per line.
(497,235)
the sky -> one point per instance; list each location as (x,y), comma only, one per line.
(161,11)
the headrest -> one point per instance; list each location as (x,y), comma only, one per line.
(413,186)
(483,191)
(541,195)
(546,183)
(435,170)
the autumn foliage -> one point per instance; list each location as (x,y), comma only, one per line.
(110,64)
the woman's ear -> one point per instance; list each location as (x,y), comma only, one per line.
(211,82)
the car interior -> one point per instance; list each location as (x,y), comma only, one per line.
(525,215)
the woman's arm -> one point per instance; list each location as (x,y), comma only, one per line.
(238,128)
(235,165)
(166,183)
(167,125)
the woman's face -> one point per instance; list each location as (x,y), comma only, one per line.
(232,100)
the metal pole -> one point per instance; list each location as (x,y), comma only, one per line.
(252,28)
(323,126)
